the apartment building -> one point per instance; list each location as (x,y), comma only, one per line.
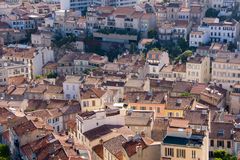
(161,14)
(43,39)
(34,58)
(219,4)
(175,72)
(176,106)
(21,19)
(225,70)
(174,30)
(172,11)
(140,100)
(83,5)
(140,122)
(81,63)
(18,136)
(156,59)
(184,14)
(181,142)
(95,98)
(12,35)
(197,38)
(197,11)
(9,70)
(121,23)
(101,122)
(216,31)
(71,87)
(220,137)
(198,69)
(67,22)
(66,64)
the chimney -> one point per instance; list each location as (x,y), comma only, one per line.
(142,134)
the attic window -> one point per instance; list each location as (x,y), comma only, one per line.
(178,102)
(220,133)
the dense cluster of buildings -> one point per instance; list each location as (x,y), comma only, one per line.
(61,100)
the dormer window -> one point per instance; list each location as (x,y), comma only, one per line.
(220,133)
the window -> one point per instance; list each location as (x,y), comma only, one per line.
(169,152)
(193,154)
(220,143)
(142,108)
(228,144)
(170,114)
(150,108)
(85,103)
(177,114)
(181,153)
(68,96)
(93,103)
(158,109)
(212,143)
(133,107)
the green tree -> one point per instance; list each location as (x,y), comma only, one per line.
(223,155)
(211,12)
(185,94)
(183,57)
(183,44)
(52,75)
(174,51)
(231,47)
(4,152)
(152,33)
(133,48)
(38,76)
(87,71)
(59,40)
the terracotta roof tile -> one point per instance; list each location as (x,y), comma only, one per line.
(93,93)
(100,131)
(198,88)
(98,149)
(114,146)
(221,130)
(130,146)
(179,103)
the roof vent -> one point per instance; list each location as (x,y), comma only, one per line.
(179,102)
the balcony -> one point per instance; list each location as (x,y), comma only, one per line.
(111,24)
(128,25)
